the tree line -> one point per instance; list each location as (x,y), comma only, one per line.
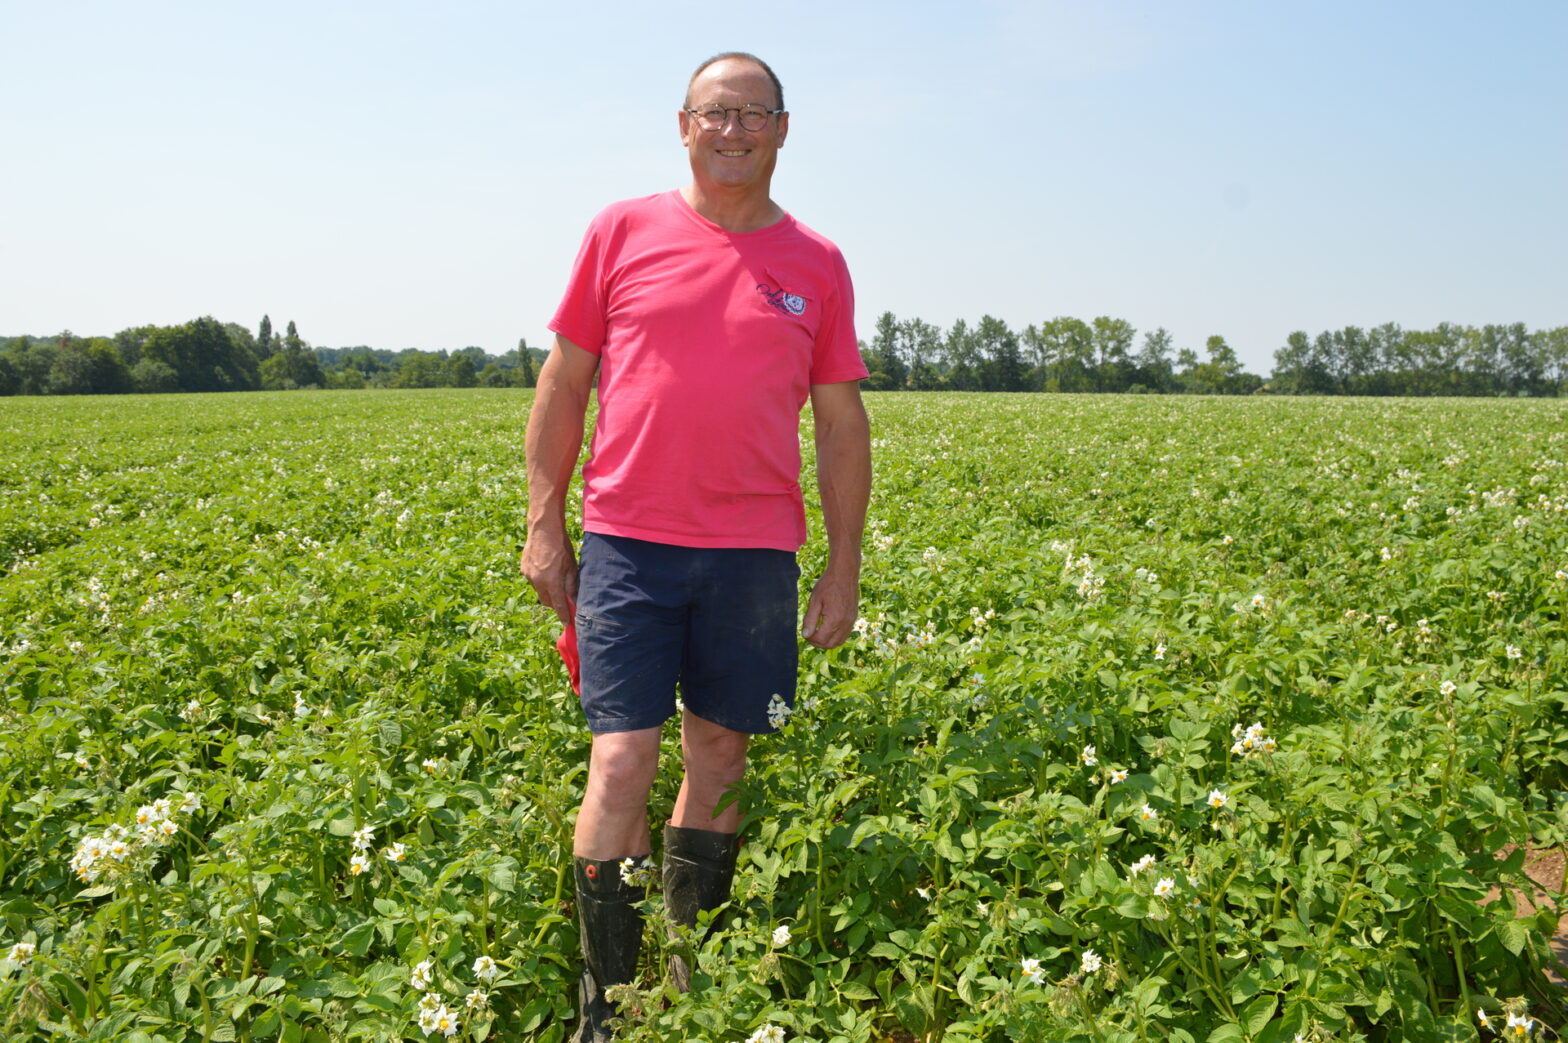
(1063,354)
(207,355)
(1106,355)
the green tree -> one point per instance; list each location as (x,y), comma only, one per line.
(264,345)
(1152,366)
(202,356)
(421,369)
(1113,353)
(922,346)
(292,366)
(87,367)
(889,371)
(1002,364)
(1068,345)
(963,358)
(152,377)
(461,370)
(525,362)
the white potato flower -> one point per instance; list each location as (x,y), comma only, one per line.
(420,977)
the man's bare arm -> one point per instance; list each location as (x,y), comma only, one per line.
(555,438)
(843,437)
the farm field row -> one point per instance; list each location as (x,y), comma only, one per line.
(1167,718)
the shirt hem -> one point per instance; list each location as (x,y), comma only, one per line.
(706,542)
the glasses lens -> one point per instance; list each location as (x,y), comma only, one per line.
(753,117)
(711,119)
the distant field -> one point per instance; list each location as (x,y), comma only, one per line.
(1177,718)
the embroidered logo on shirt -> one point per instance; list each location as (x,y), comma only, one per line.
(784,301)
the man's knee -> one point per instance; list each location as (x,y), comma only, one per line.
(712,752)
(622,767)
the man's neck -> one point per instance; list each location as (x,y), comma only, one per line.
(743,212)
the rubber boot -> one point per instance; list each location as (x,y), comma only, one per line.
(611,929)
(699,867)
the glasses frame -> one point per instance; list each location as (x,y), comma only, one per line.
(740,113)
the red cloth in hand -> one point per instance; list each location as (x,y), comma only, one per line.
(566,644)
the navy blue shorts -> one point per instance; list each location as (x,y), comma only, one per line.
(718,622)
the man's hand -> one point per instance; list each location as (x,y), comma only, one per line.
(550,566)
(831,609)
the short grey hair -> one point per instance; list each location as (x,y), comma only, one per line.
(778,88)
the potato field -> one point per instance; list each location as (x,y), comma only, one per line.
(1167,718)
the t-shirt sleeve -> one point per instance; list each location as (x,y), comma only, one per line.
(835,357)
(580,316)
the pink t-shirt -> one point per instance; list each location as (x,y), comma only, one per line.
(708,344)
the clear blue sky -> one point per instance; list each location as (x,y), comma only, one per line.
(399,174)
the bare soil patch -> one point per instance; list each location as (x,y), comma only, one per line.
(1545,868)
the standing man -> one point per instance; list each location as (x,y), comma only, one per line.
(710,315)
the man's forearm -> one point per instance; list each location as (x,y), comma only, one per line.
(844,482)
(554,440)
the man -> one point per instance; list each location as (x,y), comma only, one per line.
(709,316)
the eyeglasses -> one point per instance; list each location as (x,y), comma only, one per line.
(752,117)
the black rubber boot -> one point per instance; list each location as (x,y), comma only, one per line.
(699,867)
(611,928)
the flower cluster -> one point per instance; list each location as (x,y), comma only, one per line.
(361,840)
(434,1015)
(22,953)
(979,700)
(1250,741)
(1518,1025)
(112,851)
(884,640)
(635,874)
(778,712)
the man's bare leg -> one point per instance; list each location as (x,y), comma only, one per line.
(613,819)
(715,760)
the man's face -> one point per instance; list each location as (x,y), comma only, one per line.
(732,157)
